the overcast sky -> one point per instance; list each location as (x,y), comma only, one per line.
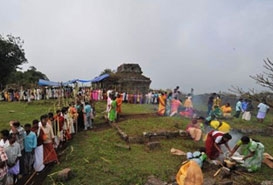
(208,45)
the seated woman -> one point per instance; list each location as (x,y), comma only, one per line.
(226,109)
(214,141)
(195,128)
(252,151)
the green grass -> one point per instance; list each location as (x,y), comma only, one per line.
(94,158)
(152,124)
(23,112)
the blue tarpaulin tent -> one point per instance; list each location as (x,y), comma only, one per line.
(100,78)
(48,83)
(43,82)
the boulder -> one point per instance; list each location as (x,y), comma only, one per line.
(153,145)
(209,181)
(225,182)
(269,131)
(64,174)
(267,183)
(138,140)
(152,180)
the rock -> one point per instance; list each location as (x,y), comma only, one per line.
(269,131)
(152,180)
(267,183)
(183,133)
(123,146)
(138,140)
(225,182)
(64,174)
(153,145)
(209,181)
(172,178)
(122,134)
(172,134)
(225,174)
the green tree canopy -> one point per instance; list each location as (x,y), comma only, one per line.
(107,71)
(12,55)
(29,77)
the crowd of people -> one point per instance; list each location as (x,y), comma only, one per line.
(26,149)
(243,108)
(29,148)
(213,128)
(87,94)
(251,151)
(170,104)
(216,133)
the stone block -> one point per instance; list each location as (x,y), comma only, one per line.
(153,145)
(64,174)
(267,183)
(152,180)
(136,140)
(209,181)
(225,182)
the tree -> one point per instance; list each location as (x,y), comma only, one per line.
(27,78)
(107,71)
(264,79)
(12,55)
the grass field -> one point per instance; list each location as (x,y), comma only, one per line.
(95,159)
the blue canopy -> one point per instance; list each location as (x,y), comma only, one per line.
(43,82)
(48,83)
(100,78)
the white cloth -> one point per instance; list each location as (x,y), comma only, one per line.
(39,158)
(246,115)
(219,138)
(263,107)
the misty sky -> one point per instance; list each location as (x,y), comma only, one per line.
(208,45)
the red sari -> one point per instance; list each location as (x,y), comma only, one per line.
(49,153)
(211,150)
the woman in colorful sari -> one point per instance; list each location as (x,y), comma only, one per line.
(162,104)
(113,108)
(226,109)
(175,106)
(214,141)
(168,104)
(119,103)
(252,151)
(188,103)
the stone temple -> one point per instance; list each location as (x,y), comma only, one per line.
(128,78)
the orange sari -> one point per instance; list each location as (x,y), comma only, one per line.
(161,105)
(119,102)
